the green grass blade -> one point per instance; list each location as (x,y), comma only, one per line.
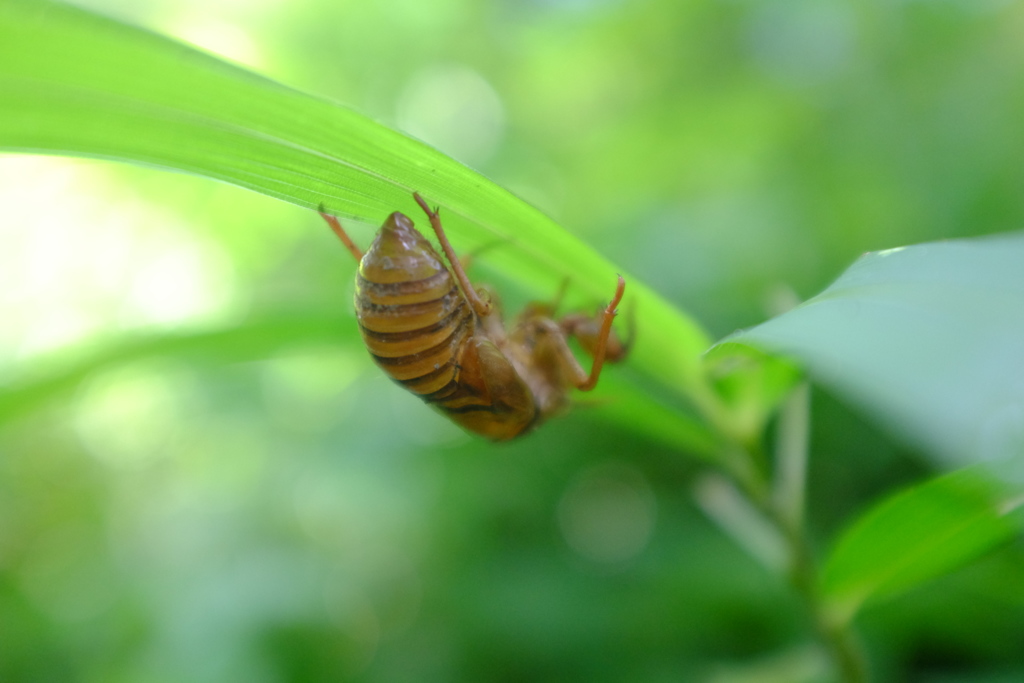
(918,535)
(73,83)
(256,339)
(266,336)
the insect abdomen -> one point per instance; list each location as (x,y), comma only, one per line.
(412,316)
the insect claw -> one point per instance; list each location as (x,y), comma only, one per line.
(601,347)
(612,309)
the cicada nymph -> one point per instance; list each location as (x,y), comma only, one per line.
(444,340)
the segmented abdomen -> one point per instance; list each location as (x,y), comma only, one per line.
(414,330)
(413,317)
(421,331)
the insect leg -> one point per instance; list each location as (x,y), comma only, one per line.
(587,330)
(550,346)
(480,306)
(342,235)
(601,348)
(631,331)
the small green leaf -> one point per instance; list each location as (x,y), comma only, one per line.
(751,384)
(918,535)
(928,339)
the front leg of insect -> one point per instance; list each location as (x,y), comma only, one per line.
(551,361)
(439,337)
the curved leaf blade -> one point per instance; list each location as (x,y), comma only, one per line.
(256,339)
(74,83)
(265,336)
(928,339)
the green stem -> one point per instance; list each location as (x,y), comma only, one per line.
(835,635)
(791,448)
(783,507)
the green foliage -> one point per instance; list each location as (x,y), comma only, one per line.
(68,91)
(917,535)
(194,490)
(256,339)
(928,339)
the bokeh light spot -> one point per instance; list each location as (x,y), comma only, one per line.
(305,389)
(221,38)
(802,43)
(127,418)
(453,108)
(607,513)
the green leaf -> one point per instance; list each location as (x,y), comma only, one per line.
(918,535)
(751,384)
(265,336)
(76,84)
(255,339)
(928,339)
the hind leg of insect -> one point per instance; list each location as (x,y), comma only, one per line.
(555,338)
(481,307)
(335,225)
(587,330)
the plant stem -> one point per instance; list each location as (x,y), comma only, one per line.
(783,508)
(835,635)
(791,455)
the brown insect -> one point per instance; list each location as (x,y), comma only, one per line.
(444,340)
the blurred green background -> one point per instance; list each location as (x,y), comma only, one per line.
(209,510)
